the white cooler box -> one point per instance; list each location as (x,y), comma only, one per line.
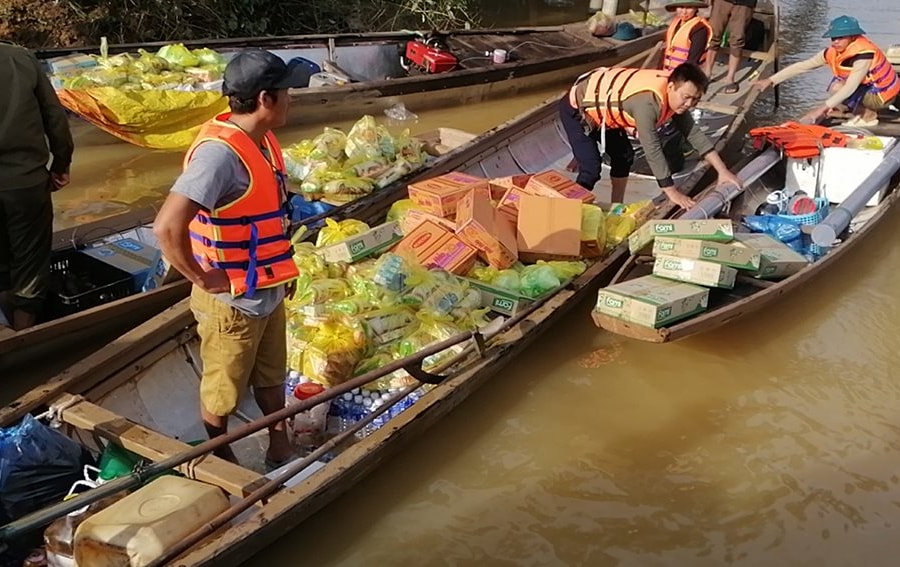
(842,170)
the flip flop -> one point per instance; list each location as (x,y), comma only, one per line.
(732,88)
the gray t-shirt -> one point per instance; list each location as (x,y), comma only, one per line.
(214,177)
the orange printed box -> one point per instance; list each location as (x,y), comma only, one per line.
(549,228)
(415,217)
(439,195)
(509,204)
(489,231)
(500,185)
(553,181)
(432,245)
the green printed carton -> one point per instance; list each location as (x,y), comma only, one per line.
(694,271)
(362,245)
(733,254)
(776,259)
(717,230)
(652,301)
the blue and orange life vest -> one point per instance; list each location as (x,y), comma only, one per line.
(881,78)
(678,41)
(608,87)
(248,237)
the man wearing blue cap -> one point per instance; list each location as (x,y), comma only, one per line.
(224,226)
(864,79)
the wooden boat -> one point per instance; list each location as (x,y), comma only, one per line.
(140,391)
(538,58)
(751,294)
(71,335)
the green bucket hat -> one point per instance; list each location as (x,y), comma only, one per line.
(842,26)
(685,4)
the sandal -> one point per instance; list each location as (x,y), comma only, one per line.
(732,88)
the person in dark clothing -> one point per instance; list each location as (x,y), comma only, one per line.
(736,14)
(33,128)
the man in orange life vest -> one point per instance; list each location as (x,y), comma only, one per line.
(863,77)
(225,227)
(687,38)
(603,106)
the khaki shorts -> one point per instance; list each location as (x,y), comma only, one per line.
(237,351)
(736,17)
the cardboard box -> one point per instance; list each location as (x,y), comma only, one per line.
(161,272)
(415,217)
(439,195)
(506,183)
(548,182)
(362,245)
(131,256)
(549,228)
(733,254)
(777,259)
(694,271)
(434,246)
(652,301)
(504,301)
(717,230)
(480,225)
(509,203)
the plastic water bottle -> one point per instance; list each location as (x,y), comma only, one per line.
(391,274)
(290,383)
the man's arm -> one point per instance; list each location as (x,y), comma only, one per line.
(56,123)
(171,231)
(857,74)
(798,68)
(699,39)
(646,111)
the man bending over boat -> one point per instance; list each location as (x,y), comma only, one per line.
(225,226)
(608,103)
(687,38)
(33,126)
(864,79)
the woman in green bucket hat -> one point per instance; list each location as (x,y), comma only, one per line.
(864,80)
(687,38)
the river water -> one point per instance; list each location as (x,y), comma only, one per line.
(773,441)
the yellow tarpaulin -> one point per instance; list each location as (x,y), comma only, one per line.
(157,119)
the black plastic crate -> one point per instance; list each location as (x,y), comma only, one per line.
(80,282)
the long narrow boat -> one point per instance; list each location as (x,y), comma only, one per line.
(537,58)
(141,390)
(26,352)
(23,350)
(840,230)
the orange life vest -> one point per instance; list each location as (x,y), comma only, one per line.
(799,140)
(678,41)
(609,87)
(881,78)
(247,237)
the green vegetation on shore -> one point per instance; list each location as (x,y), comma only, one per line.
(59,23)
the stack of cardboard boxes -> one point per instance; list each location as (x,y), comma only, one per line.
(691,256)
(461,218)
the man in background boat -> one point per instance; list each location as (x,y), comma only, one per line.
(33,128)
(687,38)
(736,15)
(608,103)
(225,226)
(864,80)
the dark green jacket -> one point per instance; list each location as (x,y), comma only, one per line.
(31,119)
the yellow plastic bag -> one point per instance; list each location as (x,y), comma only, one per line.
(399,210)
(617,230)
(593,231)
(565,270)
(157,119)
(338,231)
(334,352)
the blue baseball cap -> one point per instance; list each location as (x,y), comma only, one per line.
(842,26)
